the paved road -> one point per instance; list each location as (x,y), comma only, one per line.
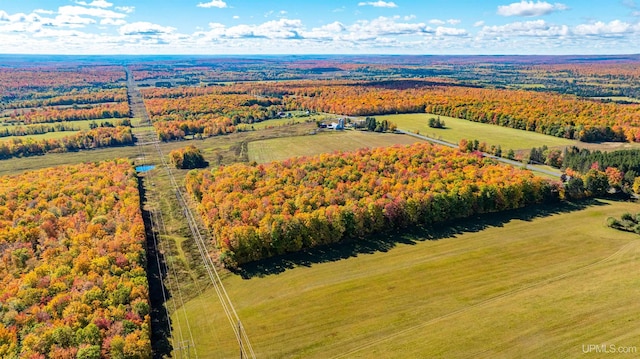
(504,160)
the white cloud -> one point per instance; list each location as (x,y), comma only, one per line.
(33,23)
(113,22)
(145,28)
(537,28)
(57,33)
(96,3)
(599,28)
(88,29)
(329,31)
(73,17)
(280,29)
(378,3)
(127,9)
(381,31)
(95,12)
(384,26)
(45,12)
(450,31)
(20,22)
(213,3)
(72,21)
(529,8)
(275,29)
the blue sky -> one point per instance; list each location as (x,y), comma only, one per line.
(319,27)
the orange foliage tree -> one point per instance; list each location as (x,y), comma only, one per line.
(206,111)
(72,263)
(83,140)
(265,210)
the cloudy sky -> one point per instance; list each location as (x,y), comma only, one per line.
(319,27)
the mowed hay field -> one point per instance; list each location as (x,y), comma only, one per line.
(323,142)
(535,284)
(42,136)
(457,129)
(79,125)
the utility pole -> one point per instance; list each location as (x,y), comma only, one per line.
(240,337)
(182,347)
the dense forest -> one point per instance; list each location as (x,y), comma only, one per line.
(73,97)
(211,111)
(260,211)
(46,81)
(72,279)
(36,100)
(216,110)
(583,159)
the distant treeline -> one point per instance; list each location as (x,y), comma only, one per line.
(95,138)
(582,160)
(74,98)
(39,129)
(75,113)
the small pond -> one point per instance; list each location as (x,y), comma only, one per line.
(145,168)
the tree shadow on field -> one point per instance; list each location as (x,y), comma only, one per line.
(160,322)
(383,242)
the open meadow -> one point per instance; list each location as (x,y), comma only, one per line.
(509,138)
(76,125)
(538,282)
(457,129)
(322,142)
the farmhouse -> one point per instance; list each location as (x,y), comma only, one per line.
(336,125)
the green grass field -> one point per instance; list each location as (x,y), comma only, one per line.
(80,125)
(21,164)
(44,136)
(274,123)
(322,142)
(534,283)
(457,129)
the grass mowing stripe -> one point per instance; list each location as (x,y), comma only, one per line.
(489,301)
